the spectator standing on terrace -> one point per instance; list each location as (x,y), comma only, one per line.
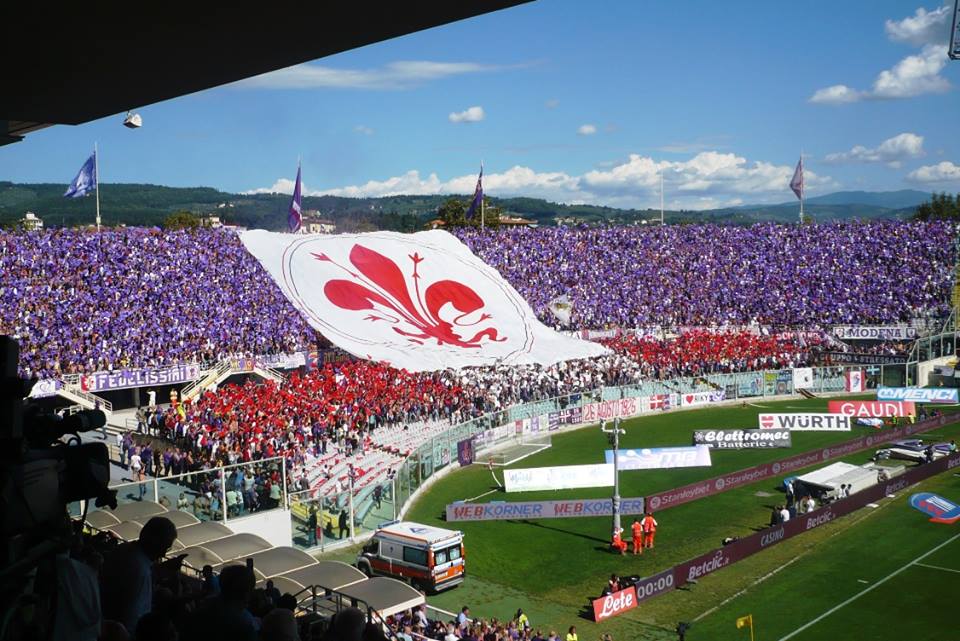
(127,573)
(463,619)
(226,616)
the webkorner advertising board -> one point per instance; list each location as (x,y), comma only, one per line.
(573,508)
(805,422)
(918,394)
(742,439)
(564,477)
(661,458)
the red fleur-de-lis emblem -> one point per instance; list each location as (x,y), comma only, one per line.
(377,285)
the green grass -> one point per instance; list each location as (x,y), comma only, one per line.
(550,567)
(914,604)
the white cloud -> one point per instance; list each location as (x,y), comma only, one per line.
(892,151)
(915,75)
(473,114)
(587,130)
(363,129)
(942,172)
(282,186)
(837,94)
(401,74)
(922,28)
(710,179)
(553,103)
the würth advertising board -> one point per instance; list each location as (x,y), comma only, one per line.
(805,422)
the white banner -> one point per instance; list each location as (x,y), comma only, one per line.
(702,398)
(805,422)
(558,478)
(855,381)
(875,332)
(660,458)
(802,378)
(420,301)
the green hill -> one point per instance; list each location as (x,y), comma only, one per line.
(137,204)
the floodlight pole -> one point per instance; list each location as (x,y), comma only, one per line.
(616,431)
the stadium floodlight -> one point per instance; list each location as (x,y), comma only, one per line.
(132,120)
(615,433)
(955,32)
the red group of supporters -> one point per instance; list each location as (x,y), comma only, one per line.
(703,352)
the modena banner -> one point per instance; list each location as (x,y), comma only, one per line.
(742,439)
(502,511)
(564,477)
(660,458)
(874,409)
(875,332)
(805,422)
(918,394)
(127,378)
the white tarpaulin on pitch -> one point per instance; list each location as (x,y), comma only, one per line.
(417,301)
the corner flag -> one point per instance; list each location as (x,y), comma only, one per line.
(743,622)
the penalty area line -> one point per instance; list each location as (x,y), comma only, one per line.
(864,591)
(937,567)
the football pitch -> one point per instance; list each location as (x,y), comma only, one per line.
(551,568)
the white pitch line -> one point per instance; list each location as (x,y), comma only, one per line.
(937,567)
(481,496)
(875,585)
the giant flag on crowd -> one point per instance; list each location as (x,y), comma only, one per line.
(419,301)
(477,201)
(86,180)
(294,214)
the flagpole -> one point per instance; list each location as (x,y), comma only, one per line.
(661,198)
(482,216)
(96,181)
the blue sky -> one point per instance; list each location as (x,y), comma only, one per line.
(571,101)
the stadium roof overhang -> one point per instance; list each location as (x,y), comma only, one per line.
(80,62)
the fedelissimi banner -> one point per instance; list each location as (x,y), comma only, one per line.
(918,394)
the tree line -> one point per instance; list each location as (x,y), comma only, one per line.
(941,206)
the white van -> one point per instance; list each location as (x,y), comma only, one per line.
(430,558)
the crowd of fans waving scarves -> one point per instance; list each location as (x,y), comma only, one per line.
(83,301)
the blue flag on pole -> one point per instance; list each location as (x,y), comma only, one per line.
(477,195)
(294,216)
(86,180)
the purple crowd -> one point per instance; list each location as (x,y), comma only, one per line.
(698,275)
(82,301)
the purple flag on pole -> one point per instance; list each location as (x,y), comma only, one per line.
(796,183)
(477,195)
(294,217)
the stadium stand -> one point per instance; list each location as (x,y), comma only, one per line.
(160,297)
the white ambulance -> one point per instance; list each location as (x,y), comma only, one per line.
(430,558)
